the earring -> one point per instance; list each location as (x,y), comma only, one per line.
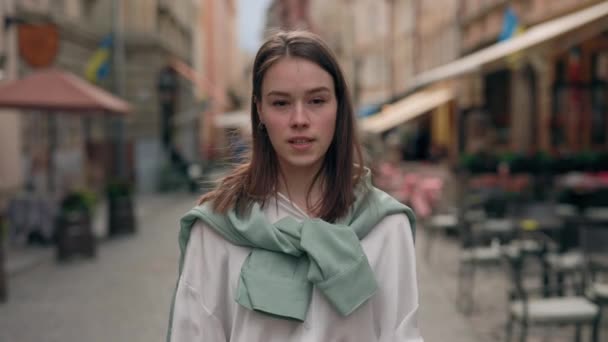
(261,126)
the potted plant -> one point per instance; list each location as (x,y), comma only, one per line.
(121,213)
(74,233)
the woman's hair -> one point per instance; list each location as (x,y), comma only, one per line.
(257,180)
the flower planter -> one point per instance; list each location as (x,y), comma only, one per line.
(74,231)
(74,235)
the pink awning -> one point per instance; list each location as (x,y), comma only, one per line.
(57,90)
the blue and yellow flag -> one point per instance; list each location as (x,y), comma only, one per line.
(511,27)
(98,66)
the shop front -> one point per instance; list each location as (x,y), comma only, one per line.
(543,90)
(420,126)
(579,119)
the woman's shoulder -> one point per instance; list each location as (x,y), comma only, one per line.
(200,230)
(209,242)
(397,223)
(392,236)
(395,212)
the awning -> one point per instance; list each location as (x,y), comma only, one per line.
(406,109)
(58,90)
(530,38)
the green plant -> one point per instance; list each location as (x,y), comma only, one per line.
(79,200)
(477,163)
(119,188)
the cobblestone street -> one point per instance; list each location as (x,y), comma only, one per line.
(124,294)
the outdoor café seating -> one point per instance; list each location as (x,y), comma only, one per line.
(594,245)
(529,306)
(577,301)
(558,262)
(479,247)
(536,233)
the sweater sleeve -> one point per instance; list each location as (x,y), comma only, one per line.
(394,262)
(192,321)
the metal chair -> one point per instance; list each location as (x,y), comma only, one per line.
(566,262)
(594,239)
(569,260)
(480,245)
(527,310)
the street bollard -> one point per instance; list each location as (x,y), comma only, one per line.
(121,216)
(121,211)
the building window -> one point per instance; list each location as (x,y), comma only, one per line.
(599,99)
(571,98)
(498,105)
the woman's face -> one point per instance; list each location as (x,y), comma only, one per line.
(298,106)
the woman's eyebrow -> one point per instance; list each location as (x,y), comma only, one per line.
(311,91)
(318,90)
(277,93)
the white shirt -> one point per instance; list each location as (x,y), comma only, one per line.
(205,309)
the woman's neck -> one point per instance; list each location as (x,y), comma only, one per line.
(295,183)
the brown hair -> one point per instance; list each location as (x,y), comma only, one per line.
(257,180)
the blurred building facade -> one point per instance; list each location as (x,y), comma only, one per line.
(514,103)
(382,45)
(437,33)
(153,35)
(370,26)
(436,42)
(11,175)
(372,40)
(551,97)
(221,68)
(289,15)
(334,21)
(545,95)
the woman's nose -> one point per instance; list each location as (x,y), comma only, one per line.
(299,117)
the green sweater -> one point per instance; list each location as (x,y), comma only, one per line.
(290,257)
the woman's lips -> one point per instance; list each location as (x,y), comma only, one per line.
(301,143)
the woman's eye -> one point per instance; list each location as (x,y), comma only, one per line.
(279,103)
(318,101)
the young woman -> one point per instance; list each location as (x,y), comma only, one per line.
(296,245)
